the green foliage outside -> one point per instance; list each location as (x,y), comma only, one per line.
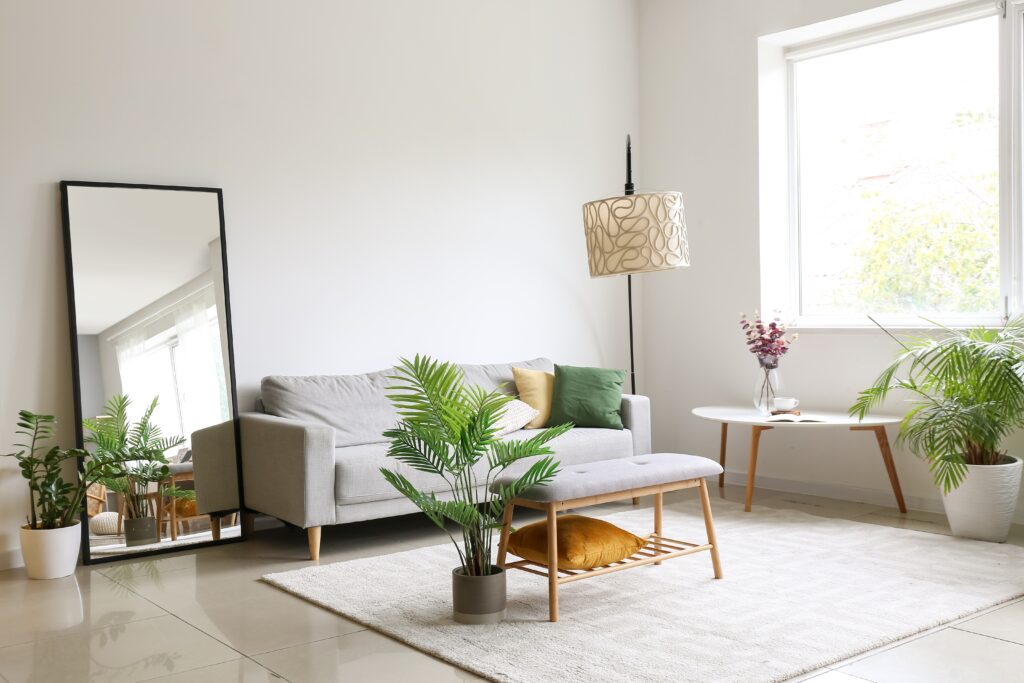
(941,258)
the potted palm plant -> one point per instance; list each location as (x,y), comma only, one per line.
(450,430)
(51,539)
(140,447)
(966,388)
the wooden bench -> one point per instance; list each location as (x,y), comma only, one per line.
(603,482)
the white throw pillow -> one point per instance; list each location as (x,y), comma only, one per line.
(517,415)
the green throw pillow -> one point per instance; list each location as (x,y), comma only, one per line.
(587,397)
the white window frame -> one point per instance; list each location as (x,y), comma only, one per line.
(779,145)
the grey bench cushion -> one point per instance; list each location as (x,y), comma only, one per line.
(622,474)
(357,478)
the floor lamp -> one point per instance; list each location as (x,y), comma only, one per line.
(635,233)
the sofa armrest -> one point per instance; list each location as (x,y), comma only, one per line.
(288,469)
(636,417)
(214,462)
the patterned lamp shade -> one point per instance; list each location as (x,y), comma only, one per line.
(637,233)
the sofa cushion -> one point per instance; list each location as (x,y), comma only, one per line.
(356,406)
(357,478)
(499,376)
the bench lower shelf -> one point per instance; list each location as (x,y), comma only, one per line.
(656,550)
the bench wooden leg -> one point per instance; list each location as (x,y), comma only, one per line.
(552,563)
(506,527)
(709,524)
(313,534)
(658,500)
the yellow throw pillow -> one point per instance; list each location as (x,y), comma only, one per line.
(583,542)
(535,388)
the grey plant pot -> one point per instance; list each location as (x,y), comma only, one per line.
(140,531)
(478,599)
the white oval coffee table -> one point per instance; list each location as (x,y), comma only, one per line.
(758,423)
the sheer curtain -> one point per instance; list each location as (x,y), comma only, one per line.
(176,356)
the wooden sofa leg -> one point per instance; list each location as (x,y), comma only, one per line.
(313,533)
(248,522)
(636,501)
(215,527)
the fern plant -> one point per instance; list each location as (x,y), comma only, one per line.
(967,394)
(448,429)
(140,447)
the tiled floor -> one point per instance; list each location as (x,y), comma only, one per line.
(204,616)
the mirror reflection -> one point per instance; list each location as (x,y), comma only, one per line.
(154,382)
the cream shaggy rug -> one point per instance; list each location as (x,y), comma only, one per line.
(799,592)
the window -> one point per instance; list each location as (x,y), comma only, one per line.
(895,175)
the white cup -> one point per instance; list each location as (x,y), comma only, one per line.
(785,403)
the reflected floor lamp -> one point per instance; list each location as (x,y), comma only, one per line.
(635,233)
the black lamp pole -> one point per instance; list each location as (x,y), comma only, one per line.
(629,277)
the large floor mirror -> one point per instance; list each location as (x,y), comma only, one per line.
(153,366)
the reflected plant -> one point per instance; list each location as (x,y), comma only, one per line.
(140,447)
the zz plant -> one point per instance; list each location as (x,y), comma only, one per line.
(450,430)
(967,394)
(54,502)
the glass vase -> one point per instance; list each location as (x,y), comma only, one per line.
(767,384)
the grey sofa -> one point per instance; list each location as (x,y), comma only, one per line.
(312,456)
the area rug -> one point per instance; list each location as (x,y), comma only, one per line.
(799,592)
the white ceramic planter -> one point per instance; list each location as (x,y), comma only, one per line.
(983,506)
(51,553)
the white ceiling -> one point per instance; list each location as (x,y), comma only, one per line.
(132,246)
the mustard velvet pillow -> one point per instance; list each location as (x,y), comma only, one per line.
(583,542)
(535,388)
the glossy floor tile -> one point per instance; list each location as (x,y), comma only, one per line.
(235,671)
(1006,623)
(946,656)
(68,606)
(204,615)
(362,656)
(135,651)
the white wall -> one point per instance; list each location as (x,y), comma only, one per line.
(699,115)
(399,176)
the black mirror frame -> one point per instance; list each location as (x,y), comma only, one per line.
(76,377)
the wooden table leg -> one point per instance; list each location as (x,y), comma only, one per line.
(506,526)
(658,500)
(755,440)
(890,464)
(709,525)
(552,563)
(721,454)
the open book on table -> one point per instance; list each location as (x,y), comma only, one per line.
(786,417)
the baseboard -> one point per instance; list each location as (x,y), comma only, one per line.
(855,494)
(11,559)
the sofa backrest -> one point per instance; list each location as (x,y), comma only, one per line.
(356,406)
